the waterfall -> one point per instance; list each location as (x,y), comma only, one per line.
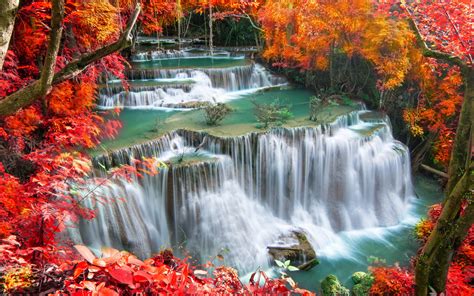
(175,54)
(180,88)
(231,78)
(242,193)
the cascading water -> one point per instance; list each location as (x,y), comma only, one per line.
(243,193)
(174,54)
(178,87)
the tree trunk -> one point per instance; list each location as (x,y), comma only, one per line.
(433,262)
(459,167)
(7,21)
(211,43)
(47,72)
(332,79)
(461,153)
(178,10)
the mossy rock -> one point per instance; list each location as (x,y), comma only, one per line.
(300,253)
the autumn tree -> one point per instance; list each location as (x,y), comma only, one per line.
(441,34)
(311,34)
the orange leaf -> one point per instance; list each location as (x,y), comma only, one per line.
(85,253)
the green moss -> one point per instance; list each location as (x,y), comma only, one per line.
(363,282)
(332,287)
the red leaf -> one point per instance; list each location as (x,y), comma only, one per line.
(122,276)
(81,266)
(141,276)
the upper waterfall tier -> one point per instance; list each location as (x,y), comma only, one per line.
(181,88)
(174,54)
(243,192)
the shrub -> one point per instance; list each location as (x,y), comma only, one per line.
(215,113)
(362,283)
(276,113)
(315,103)
(332,287)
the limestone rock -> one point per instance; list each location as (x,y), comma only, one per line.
(295,247)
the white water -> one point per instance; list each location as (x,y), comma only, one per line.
(246,191)
(241,194)
(175,54)
(207,85)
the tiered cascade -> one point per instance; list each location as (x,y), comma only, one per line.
(242,193)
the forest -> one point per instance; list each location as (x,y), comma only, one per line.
(240,147)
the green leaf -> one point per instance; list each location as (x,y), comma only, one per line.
(102,166)
(287,263)
(279,263)
(292,268)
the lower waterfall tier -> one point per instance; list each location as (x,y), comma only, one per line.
(240,194)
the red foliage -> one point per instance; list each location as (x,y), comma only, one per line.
(121,273)
(392,281)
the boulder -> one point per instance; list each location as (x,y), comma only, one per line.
(294,246)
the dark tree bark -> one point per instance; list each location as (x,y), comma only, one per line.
(7,21)
(29,94)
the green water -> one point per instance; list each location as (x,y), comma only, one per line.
(191,62)
(142,125)
(151,82)
(395,244)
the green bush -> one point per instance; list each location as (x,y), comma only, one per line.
(275,113)
(332,287)
(215,113)
(362,283)
(315,104)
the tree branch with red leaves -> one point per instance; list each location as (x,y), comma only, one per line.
(29,94)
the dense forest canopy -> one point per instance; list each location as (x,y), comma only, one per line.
(409,59)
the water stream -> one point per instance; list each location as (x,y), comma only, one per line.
(346,184)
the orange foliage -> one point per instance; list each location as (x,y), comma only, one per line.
(391,281)
(306,34)
(438,104)
(24,122)
(94,22)
(69,98)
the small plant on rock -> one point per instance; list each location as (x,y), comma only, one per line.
(315,103)
(275,113)
(215,113)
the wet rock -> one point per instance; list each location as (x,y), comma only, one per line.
(295,247)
